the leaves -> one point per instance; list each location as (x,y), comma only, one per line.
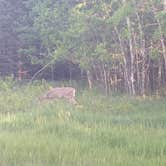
(125,10)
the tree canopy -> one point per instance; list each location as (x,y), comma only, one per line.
(119,44)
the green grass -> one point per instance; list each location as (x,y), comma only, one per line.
(104,131)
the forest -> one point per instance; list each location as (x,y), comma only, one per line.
(115,45)
(82,83)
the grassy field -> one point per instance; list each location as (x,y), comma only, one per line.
(104,131)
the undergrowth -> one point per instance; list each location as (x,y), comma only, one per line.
(100,131)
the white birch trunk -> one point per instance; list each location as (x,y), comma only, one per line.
(161,37)
(142,43)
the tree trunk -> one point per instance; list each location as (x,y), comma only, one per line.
(159,75)
(126,75)
(105,80)
(52,72)
(142,46)
(132,58)
(89,77)
(161,39)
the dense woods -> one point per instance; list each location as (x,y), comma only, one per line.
(118,45)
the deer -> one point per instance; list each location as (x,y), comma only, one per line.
(67,93)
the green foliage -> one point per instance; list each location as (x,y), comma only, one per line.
(29,51)
(154,54)
(7,83)
(101,51)
(125,10)
(125,33)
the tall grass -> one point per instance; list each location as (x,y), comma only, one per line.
(103,131)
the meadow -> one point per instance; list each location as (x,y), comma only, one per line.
(102,131)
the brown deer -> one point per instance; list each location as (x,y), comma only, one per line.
(67,93)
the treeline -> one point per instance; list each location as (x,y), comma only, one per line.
(119,45)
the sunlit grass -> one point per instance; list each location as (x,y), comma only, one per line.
(102,131)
